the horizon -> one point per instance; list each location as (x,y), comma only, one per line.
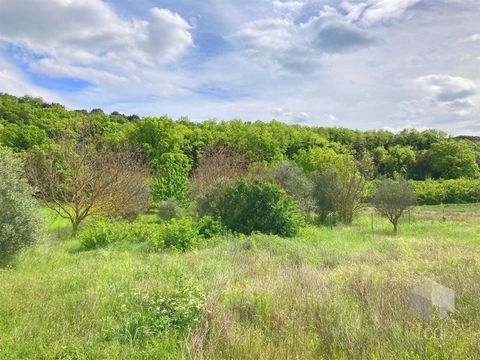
(362,65)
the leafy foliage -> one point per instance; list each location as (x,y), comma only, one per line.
(339,191)
(152,313)
(249,207)
(19,222)
(392,198)
(104,232)
(295,183)
(435,192)
(208,227)
(172,179)
(318,159)
(453,160)
(177,234)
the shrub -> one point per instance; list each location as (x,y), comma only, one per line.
(392,198)
(172,178)
(249,207)
(178,235)
(340,191)
(208,227)
(169,209)
(291,178)
(213,201)
(103,233)
(431,192)
(19,221)
(150,314)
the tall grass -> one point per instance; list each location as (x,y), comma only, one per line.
(332,294)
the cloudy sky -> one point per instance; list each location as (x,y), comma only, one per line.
(367,64)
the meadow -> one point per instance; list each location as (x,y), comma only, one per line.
(338,293)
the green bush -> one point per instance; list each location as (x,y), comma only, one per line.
(178,235)
(290,178)
(151,314)
(103,233)
(19,221)
(213,201)
(249,207)
(169,209)
(208,227)
(431,192)
(172,178)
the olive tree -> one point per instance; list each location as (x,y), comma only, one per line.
(19,220)
(290,177)
(392,198)
(340,191)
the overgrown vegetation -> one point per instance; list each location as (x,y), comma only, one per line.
(261,296)
(232,258)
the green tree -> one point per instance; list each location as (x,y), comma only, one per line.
(246,207)
(19,221)
(172,178)
(318,159)
(23,137)
(398,161)
(453,159)
(392,198)
(290,177)
(339,191)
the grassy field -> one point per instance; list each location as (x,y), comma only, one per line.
(340,294)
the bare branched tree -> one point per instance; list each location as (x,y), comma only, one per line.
(84,179)
(217,163)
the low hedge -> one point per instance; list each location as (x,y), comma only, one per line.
(178,234)
(456,191)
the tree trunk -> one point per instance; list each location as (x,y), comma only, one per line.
(75,225)
(395,227)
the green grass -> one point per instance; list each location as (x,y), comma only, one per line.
(340,293)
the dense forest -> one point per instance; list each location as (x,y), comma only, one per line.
(28,123)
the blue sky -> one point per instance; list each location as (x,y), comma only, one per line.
(367,64)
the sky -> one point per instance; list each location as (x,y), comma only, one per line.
(364,64)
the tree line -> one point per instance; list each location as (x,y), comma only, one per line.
(207,178)
(28,123)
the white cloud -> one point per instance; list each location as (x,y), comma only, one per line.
(290,5)
(446,88)
(473,38)
(281,113)
(372,12)
(89,40)
(348,64)
(456,94)
(299,47)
